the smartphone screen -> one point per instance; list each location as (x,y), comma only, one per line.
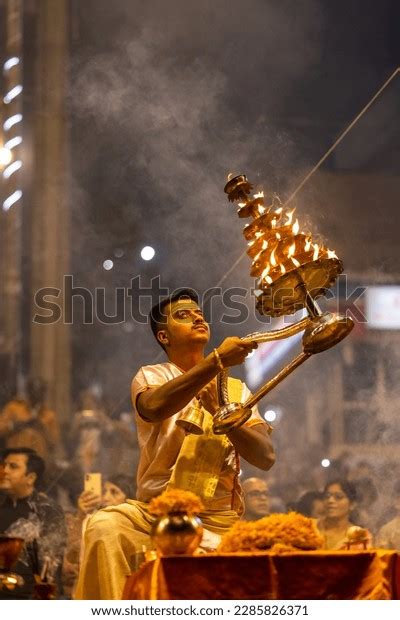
(93,483)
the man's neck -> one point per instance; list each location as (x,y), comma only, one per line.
(186,359)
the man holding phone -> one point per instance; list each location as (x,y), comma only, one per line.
(161,394)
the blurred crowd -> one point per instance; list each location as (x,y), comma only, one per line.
(46,488)
(47,491)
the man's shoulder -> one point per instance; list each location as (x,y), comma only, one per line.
(161,367)
(46,505)
(393,524)
(153,374)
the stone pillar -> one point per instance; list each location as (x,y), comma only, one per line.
(50,350)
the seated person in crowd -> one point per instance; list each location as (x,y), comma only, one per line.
(256,499)
(311,504)
(116,490)
(29,514)
(340,500)
(30,423)
(389,535)
(206,464)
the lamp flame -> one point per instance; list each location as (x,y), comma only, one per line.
(265,273)
(275,242)
(296,227)
(289,217)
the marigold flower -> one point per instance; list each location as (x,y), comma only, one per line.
(175,500)
(291,530)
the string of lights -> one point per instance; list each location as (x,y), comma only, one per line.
(11,149)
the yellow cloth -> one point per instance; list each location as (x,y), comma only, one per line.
(201,458)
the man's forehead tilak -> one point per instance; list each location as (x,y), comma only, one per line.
(184,304)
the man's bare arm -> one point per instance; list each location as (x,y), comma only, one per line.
(254,444)
(159,403)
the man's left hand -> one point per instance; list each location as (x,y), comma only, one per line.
(208,397)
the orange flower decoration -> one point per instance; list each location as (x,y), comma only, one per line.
(279,531)
(175,500)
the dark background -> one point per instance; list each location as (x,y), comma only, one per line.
(168,98)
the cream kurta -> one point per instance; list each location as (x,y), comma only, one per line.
(160,444)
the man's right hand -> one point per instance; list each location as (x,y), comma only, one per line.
(234,350)
(88,502)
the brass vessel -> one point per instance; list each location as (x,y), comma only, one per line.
(177,533)
(10,548)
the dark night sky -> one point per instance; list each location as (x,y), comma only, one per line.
(168,97)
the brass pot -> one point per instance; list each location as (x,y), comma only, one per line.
(177,533)
(10,548)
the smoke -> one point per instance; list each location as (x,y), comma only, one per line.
(182,99)
(166,100)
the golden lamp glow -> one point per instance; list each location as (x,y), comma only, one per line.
(284,256)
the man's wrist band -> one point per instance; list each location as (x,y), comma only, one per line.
(218,360)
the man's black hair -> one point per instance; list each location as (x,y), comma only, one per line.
(157,315)
(305,504)
(34,462)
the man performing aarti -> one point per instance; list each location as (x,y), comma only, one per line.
(206,464)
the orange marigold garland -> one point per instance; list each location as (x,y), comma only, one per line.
(175,500)
(284,531)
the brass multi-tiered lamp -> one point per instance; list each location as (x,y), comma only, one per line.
(291,273)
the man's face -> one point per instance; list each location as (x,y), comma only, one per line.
(257,498)
(15,480)
(112,495)
(185,323)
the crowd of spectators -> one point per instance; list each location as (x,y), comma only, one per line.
(43,498)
